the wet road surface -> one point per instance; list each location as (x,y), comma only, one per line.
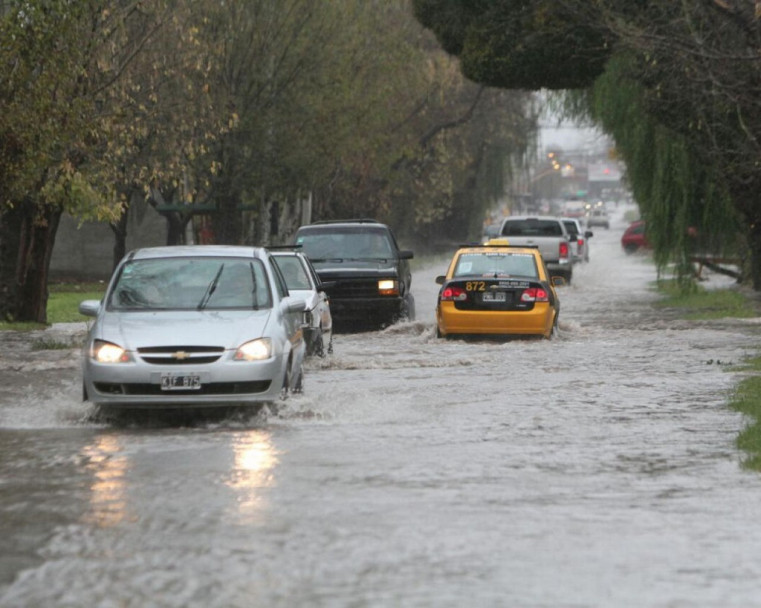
(597,469)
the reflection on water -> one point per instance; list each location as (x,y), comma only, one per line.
(255,459)
(108,501)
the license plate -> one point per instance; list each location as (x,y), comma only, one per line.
(494,296)
(187,382)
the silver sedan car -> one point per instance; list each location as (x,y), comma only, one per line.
(303,282)
(192,326)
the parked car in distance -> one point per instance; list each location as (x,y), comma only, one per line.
(579,247)
(634,237)
(367,276)
(497,289)
(303,282)
(574,209)
(598,216)
(193,326)
(547,233)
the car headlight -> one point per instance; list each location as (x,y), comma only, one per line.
(388,287)
(108,352)
(256,350)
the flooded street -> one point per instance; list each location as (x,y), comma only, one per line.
(596,469)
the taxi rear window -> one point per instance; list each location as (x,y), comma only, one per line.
(498,264)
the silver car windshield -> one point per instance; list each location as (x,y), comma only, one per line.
(203,283)
(293,270)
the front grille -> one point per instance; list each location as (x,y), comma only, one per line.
(361,288)
(180,355)
(216,388)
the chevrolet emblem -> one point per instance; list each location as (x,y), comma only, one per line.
(180,355)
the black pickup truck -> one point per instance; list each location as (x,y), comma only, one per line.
(366,276)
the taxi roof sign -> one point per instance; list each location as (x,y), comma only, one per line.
(499,242)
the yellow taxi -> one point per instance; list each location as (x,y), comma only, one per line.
(496,289)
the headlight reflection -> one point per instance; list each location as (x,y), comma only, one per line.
(255,460)
(108,499)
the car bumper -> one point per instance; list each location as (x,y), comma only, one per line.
(538,321)
(365,310)
(563,267)
(222,383)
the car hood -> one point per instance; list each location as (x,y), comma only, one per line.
(341,268)
(228,329)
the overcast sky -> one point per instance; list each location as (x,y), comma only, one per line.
(571,137)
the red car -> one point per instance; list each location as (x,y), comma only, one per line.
(634,237)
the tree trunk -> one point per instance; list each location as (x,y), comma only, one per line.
(227,221)
(27,237)
(754,241)
(176,224)
(119,229)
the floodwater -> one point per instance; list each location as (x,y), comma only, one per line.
(596,469)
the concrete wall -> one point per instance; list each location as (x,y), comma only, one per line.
(87,251)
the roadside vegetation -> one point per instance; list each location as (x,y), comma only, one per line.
(746,398)
(63,307)
(698,303)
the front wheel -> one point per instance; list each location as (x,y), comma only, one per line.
(314,344)
(408,308)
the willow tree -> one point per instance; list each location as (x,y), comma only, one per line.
(696,67)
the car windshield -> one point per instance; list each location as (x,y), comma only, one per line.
(293,271)
(497,264)
(187,283)
(352,242)
(532,227)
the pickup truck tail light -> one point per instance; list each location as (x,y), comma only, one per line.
(535,294)
(563,250)
(453,294)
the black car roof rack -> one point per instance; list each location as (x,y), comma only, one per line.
(283,247)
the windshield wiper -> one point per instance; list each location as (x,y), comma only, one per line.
(368,259)
(210,289)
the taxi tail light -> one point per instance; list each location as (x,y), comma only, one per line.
(563,250)
(535,294)
(454,294)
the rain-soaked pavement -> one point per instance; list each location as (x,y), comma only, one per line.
(597,469)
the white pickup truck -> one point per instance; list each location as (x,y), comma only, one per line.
(548,234)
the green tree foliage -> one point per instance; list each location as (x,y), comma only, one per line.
(353,104)
(518,44)
(246,110)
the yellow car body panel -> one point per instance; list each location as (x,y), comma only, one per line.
(481,322)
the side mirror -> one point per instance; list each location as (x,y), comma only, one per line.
(440,279)
(89,308)
(290,304)
(558,281)
(406,254)
(589,234)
